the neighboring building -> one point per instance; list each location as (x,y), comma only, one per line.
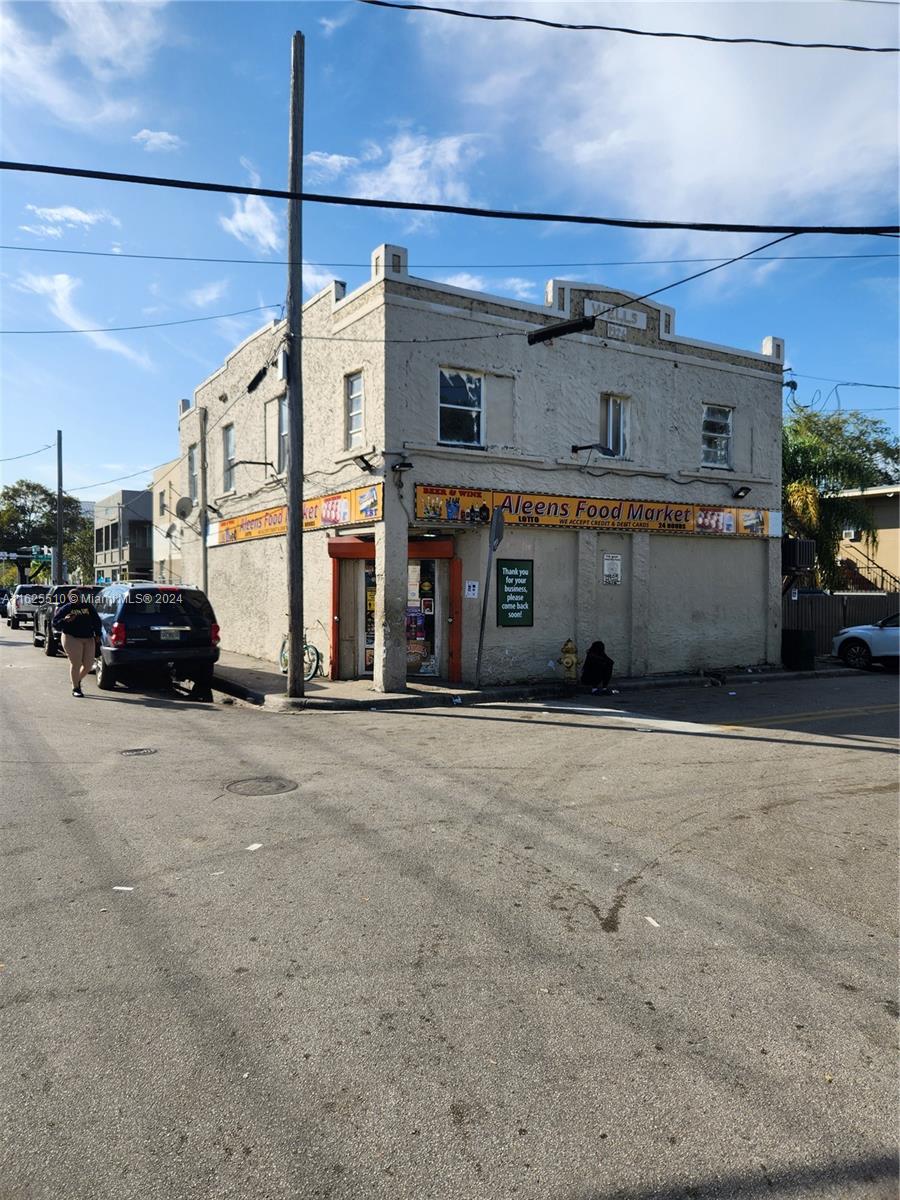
(122,536)
(876,567)
(425,409)
(167,489)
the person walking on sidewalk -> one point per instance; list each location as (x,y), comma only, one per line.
(79,623)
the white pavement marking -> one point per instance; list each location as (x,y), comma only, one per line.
(655,924)
(123,889)
(623,716)
(254,846)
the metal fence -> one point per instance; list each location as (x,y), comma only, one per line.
(827,614)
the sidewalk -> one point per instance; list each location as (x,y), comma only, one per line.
(260,682)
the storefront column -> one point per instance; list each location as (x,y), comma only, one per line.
(391,534)
(640,601)
(773,615)
(586,617)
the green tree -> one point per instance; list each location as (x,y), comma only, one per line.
(28,516)
(78,550)
(824,454)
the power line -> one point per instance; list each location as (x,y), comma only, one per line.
(891,387)
(448,209)
(697,37)
(281,262)
(30,453)
(158,325)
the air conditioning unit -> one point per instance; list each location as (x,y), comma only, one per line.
(850,535)
(797,554)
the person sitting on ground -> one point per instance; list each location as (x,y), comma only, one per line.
(598,668)
(79,623)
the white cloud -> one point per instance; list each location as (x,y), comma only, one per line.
(58,290)
(71,71)
(252,220)
(56,220)
(202,297)
(512,285)
(320,167)
(316,278)
(157,141)
(331,24)
(416,167)
(687,131)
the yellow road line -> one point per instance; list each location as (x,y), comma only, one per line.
(828,715)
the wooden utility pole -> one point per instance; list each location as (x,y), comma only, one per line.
(58,575)
(295,379)
(204,515)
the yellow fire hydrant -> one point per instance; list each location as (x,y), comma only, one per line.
(568,659)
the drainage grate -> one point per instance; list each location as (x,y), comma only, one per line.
(265,785)
(137,752)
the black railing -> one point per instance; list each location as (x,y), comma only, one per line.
(860,566)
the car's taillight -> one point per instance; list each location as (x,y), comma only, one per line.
(214,635)
(117,634)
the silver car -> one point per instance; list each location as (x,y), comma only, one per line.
(861,645)
(24,602)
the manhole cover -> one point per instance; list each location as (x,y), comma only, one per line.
(137,751)
(265,785)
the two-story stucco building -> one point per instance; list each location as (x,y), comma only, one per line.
(638,472)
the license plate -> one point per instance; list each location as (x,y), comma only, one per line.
(170,635)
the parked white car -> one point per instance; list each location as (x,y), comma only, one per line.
(861,645)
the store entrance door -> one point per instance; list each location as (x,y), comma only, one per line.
(423,624)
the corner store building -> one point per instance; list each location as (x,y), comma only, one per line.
(425,408)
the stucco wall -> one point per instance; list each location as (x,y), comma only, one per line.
(707,601)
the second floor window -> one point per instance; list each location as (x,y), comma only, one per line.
(716,438)
(353,388)
(192,473)
(281,463)
(461,415)
(228,458)
(162,503)
(613,422)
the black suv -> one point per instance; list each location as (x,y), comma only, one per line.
(151,627)
(42,631)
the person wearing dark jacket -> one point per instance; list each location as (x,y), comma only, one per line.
(598,668)
(79,623)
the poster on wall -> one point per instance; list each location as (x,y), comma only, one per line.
(515,591)
(469,506)
(612,568)
(356,506)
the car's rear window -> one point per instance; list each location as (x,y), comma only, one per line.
(32,589)
(178,606)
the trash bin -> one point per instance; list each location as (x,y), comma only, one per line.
(798,649)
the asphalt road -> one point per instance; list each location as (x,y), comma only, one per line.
(574,951)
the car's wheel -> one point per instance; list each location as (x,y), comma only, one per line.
(856,654)
(14,622)
(106,676)
(50,646)
(35,639)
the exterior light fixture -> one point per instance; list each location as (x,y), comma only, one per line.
(740,492)
(363,463)
(401,466)
(560,329)
(257,379)
(598,446)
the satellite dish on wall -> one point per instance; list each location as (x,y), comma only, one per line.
(184,508)
(170,532)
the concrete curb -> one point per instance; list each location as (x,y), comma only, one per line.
(537,691)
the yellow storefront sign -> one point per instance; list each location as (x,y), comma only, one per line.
(267,522)
(455,506)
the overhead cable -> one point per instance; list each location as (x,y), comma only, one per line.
(451,209)
(534,266)
(30,454)
(157,325)
(696,37)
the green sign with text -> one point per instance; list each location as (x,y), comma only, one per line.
(515,591)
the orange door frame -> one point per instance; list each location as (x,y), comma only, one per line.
(342,548)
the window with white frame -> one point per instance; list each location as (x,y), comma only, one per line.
(461,408)
(282,435)
(192,473)
(353,401)
(614,423)
(716,437)
(228,458)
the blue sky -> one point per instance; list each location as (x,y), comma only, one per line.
(422,107)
